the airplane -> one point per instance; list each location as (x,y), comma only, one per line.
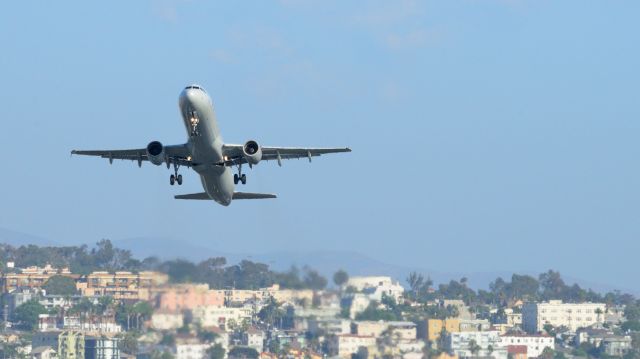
(207,154)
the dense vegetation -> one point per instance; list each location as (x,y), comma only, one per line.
(214,271)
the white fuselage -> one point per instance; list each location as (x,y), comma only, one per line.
(206,146)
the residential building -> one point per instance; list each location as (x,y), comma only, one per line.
(32,277)
(473,344)
(431,329)
(557,314)
(535,344)
(98,324)
(356,302)
(400,330)
(188,296)
(102,348)
(254,338)
(474,325)
(166,320)
(376,287)
(343,345)
(328,326)
(616,346)
(121,285)
(43,352)
(68,344)
(18,297)
(190,348)
(221,317)
(280,295)
(517,351)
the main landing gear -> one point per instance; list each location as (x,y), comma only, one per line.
(175,177)
(239,177)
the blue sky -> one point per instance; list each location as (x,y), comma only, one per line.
(487,135)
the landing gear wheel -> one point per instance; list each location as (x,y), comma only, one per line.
(179,179)
(243,179)
(235,179)
(172,180)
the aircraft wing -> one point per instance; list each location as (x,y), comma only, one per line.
(175,154)
(234,156)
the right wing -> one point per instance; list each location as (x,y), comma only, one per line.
(234,154)
(178,154)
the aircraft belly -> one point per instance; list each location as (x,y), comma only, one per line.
(218,183)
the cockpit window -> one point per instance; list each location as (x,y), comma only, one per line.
(196,87)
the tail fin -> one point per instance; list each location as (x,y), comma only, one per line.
(236,195)
(247,195)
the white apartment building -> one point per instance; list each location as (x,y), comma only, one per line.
(222,317)
(189,348)
(557,313)
(344,345)
(376,287)
(473,344)
(535,343)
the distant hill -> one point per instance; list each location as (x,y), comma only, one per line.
(165,248)
(326,262)
(19,239)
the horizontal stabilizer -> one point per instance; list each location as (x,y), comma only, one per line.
(201,196)
(246,195)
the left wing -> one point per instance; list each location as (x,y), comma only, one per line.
(178,154)
(233,153)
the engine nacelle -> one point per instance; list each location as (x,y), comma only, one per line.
(252,152)
(155,152)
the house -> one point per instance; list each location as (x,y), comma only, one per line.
(328,326)
(222,317)
(534,343)
(344,345)
(187,297)
(166,320)
(431,329)
(616,346)
(190,348)
(400,330)
(43,352)
(254,338)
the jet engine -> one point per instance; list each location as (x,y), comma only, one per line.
(252,152)
(155,152)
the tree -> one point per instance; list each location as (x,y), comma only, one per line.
(129,343)
(27,314)
(271,313)
(547,353)
(216,352)
(415,281)
(60,285)
(313,280)
(243,352)
(340,278)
